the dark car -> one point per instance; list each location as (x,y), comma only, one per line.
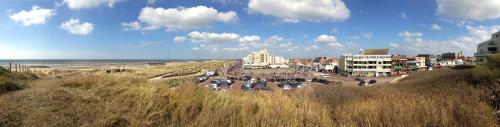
(361,83)
(373,81)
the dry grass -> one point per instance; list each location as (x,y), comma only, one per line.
(438,98)
(99,100)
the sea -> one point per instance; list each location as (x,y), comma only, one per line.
(86,62)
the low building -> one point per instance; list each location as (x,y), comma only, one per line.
(327,64)
(399,63)
(416,63)
(487,48)
(430,60)
(370,62)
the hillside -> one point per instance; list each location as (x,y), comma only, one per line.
(443,97)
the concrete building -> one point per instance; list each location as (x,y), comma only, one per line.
(262,59)
(451,59)
(452,56)
(417,63)
(487,48)
(370,62)
(326,64)
(430,60)
(399,63)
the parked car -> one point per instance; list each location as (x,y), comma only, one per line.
(373,81)
(247,86)
(202,78)
(211,73)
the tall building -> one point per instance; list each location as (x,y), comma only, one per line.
(489,47)
(370,62)
(262,59)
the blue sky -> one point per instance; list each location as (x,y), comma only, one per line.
(205,29)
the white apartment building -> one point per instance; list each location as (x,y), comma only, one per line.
(262,59)
(370,62)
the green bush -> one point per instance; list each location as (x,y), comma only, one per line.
(7,85)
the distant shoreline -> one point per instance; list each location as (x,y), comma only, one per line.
(91,62)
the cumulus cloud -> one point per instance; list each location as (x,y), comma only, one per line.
(301,10)
(213,37)
(415,43)
(179,39)
(86,4)
(330,40)
(469,9)
(131,26)
(250,39)
(181,18)
(36,15)
(75,27)
(435,27)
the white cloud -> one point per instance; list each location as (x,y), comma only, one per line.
(131,26)
(368,35)
(394,45)
(75,27)
(469,9)
(86,4)
(435,27)
(213,37)
(330,40)
(179,39)
(311,47)
(403,15)
(181,18)
(301,10)
(286,45)
(407,34)
(37,15)
(144,44)
(250,39)
(467,43)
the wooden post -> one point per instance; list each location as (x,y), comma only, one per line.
(10,67)
(16,67)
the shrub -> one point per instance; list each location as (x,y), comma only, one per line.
(7,85)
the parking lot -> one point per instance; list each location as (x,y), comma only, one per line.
(273,78)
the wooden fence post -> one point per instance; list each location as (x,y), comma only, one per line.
(16,67)
(10,67)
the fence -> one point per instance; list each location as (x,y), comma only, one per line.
(19,68)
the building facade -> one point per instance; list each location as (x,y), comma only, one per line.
(399,63)
(452,56)
(417,63)
(262,59)
(430,60)
(370,62)
(487,48)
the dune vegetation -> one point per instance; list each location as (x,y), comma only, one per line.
(444,97)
